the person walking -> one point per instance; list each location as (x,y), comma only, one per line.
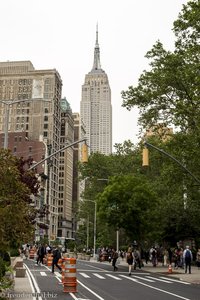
(41,254)
(137,258)
(198,259)
(129,260)
(114,259)
(56,257)
(187,258)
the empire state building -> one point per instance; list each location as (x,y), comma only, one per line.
(96,108)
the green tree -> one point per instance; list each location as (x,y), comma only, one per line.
(16,214)
(128,202)
(169,91)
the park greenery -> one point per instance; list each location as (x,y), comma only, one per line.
(160,202)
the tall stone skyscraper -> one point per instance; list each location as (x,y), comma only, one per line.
(30,112)
(96,108)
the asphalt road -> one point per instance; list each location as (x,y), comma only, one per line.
(99,281)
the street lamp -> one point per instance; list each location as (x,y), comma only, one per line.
(95,224)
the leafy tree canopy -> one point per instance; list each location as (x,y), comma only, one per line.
(16,214)
(169,92)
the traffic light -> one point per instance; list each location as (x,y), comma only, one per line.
(145,157)
(84,153)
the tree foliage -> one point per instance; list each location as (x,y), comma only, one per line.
(169,91)
(16,214)
(128,202)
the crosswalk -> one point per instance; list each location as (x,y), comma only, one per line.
(137,277)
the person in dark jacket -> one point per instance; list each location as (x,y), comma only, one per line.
(114,259)
(56,257)
(41,254)
(129,260)
(187,258)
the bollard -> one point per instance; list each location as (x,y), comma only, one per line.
(69,275)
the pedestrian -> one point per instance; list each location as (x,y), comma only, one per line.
(137,259)
(198,258)
(114,259)
(40,254)
(187,258)
(56,256)
(129,260)
(154,256)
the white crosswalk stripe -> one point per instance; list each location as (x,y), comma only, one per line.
(159,279)
(143,278)
(84,275)
(175,280)
(99,276)
(43,273)
(112,276)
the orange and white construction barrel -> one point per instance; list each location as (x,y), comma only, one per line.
(49,259)
(32,253)
(69,275)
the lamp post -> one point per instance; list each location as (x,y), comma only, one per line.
(95,224)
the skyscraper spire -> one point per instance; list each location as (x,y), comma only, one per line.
(96,64)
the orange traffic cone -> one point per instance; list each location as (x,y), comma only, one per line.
(170,269)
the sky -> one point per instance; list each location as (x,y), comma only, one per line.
(61,34)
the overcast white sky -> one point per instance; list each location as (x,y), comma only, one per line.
(60,34)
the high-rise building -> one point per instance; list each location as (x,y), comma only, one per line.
(30,103)
(66,172)
(78,186)
(96,108)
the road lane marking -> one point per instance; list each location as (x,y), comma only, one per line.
(36,287)
(112,276)
(143,278)
(99,276)
(57,274)
(155,288)
(91,291)
(176,280)
(43,273)
(97,268)
(84,275)
(157,279)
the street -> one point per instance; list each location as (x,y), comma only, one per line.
(98,281)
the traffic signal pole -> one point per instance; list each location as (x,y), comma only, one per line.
(58,151)
(146,161)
